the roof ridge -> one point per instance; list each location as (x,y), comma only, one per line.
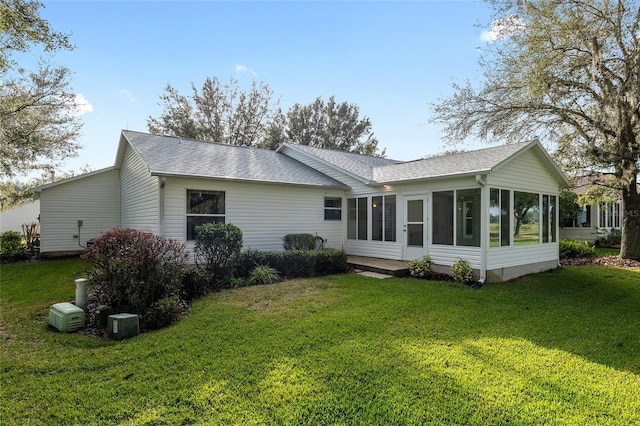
(196,140)
(340,151)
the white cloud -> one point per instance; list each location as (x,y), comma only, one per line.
(501,28)
(80,105)
(127,95)
(243,68)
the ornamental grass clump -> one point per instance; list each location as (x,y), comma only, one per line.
(131,271)
(264,274)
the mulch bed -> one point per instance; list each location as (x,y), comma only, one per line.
(602,261)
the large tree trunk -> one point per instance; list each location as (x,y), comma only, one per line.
(630,248)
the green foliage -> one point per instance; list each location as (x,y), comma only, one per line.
(22,27)
(573,249)
(543,349)
(331,125)
(577,90)
(569,207)
(217,247)
(223,113)
(295,263)
(299,242)
(162,313)
(603,189)
(609,238)
(420,268)
(263,274)
(196,282)
(218,113)
(461,271)
(11,244)
(330,261)
(130,270)
(37,121)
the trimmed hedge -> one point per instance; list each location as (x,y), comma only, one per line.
(294,263)
(299,242)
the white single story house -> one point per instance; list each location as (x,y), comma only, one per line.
(594,220)
(496,207)
(25,214)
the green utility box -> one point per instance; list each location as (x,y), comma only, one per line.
(123,326)
(66,317)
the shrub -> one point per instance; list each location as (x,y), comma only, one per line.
(162,313)
(294,263)
(263,274)
(609,238)
(299,242)
(572,249)
(217,247)
(130,270)
(196,282)
(461,271)
(330,261)
(420,268)
(11,246)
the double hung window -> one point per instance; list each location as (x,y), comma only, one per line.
(204,207)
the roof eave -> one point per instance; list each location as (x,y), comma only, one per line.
(74,178)
(235,179)
(425,178)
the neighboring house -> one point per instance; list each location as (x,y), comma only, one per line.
(593,219)
(13,219)
(455,206)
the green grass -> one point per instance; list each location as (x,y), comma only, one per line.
(552,348)
(605,251)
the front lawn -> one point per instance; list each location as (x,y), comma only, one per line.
(551,348)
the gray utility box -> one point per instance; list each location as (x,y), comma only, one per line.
(66,317)
(123,326)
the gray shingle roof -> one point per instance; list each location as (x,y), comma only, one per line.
(168,155)
(356,164)
(470,162)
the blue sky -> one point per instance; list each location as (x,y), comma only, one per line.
(390,58)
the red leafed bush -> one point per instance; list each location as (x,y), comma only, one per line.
(130,270)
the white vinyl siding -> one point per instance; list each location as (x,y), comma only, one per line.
(505,257)
(13,219)
(93,199)
(139,195)
(526,172)
(264,212)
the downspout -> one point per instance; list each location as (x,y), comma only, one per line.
(484,197)
(162,181)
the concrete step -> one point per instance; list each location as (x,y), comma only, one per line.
(396,268)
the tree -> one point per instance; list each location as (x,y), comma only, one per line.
(331,125)
(569,207)
(37,121)
(14,193)
(522,204)
(565,72)
(224,113)
(217,113)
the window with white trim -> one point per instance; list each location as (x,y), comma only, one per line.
(204,207)
(332,208)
